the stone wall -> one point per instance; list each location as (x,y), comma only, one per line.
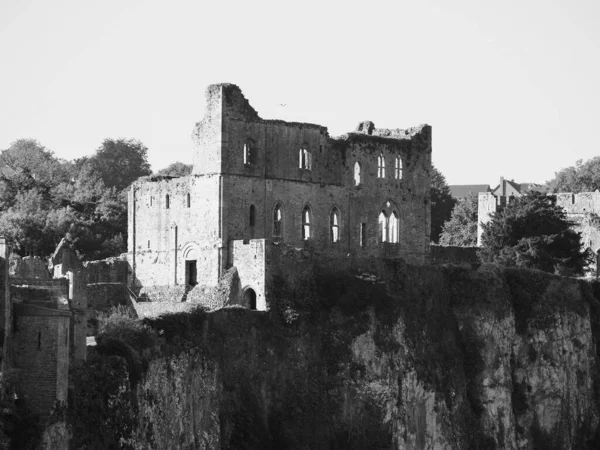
(250,260)
(110,270)
(29,267)
(41,352)
(103,296)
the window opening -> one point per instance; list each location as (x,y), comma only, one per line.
(380,166)
(306,223)
(304,159)
(167,201)
(363,235)
(383,226)
(191,273)
(393,228)
(151,200)
(247,154)
(398,168)
(148,243)
(250,298)
(356,173)
(252,215)
(277,221)
(188,200)
(335,225)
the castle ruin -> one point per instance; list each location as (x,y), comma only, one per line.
(257,183)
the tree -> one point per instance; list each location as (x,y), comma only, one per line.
(583,177)
(177,169)
(532,231)
(461,229)
(441,203)
(119,162)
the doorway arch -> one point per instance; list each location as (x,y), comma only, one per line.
(250,298)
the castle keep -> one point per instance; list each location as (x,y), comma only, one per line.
(261,183)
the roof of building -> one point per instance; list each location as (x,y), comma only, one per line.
(463,190)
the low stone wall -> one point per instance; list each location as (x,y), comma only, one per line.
(155,309)
(110,270)
(164,294)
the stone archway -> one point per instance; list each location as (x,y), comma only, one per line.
(250,298)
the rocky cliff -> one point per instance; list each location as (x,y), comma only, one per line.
(360,355)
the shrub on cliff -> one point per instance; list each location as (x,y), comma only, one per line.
(120,323)
(533,232)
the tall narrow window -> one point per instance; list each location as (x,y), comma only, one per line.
(362,236)
(306,223)
(393,228)
(188,200)
(383,226)
(304,159)
(252,216)
(167,201)
(356,173)
(380,166)
(151,201)
(334,223)
(277,221)
(247,154)
(398,168)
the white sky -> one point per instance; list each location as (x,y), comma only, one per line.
(511,88)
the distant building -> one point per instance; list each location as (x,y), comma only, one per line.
(463,190)
(510,187)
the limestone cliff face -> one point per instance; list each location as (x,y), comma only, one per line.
(380,356)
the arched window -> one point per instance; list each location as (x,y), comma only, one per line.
(277,221)
(393,228)
(252,216)
(188,200)
(167,201)
(306,223)
(383,226)
(356,173)
(380,166)
(334,225)
(398,168)
(304,159)
(389,224)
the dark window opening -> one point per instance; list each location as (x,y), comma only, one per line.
(148,244)
(252,216)
(250,298)
(167,201)
(189,200)
(191,273)
(363,235)
(151,201)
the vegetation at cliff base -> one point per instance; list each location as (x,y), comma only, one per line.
(533,232)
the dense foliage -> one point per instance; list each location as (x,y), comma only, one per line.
(177,169)
(461,229)
(43,198)
(582,177)
(533,232)
(441,203)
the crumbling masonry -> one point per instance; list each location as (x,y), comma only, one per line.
(258,183)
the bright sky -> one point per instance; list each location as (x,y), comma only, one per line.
(511,88)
